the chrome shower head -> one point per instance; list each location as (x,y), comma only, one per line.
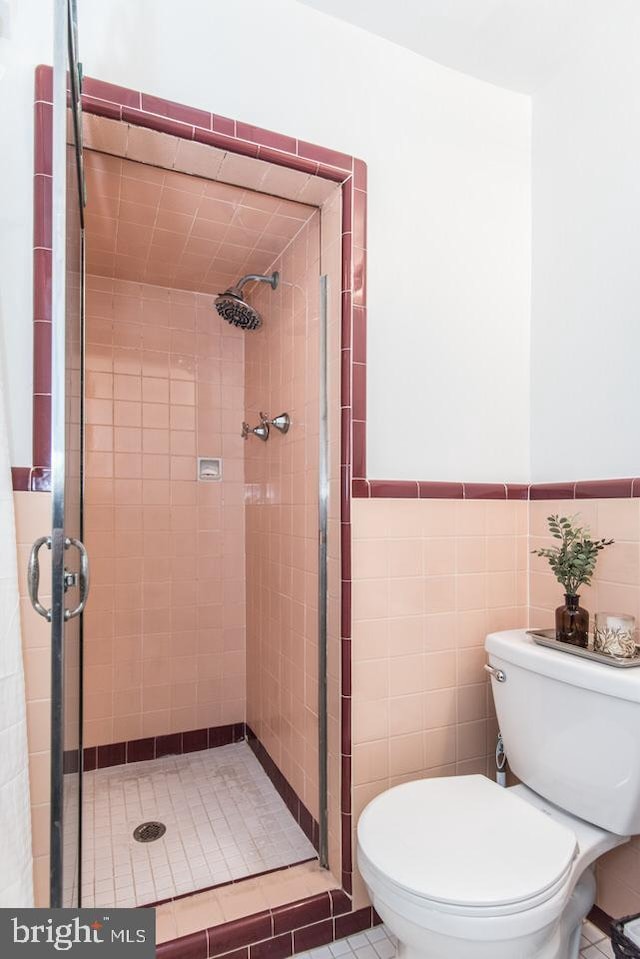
(232,306)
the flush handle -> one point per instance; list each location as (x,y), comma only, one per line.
(498,674)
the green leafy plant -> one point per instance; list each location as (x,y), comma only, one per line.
(572,562)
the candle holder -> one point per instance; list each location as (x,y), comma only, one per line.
(615,635)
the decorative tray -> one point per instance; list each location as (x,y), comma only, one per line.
(547,637)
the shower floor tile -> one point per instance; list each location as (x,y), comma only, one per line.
(225,821)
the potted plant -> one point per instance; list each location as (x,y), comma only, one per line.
(573,563)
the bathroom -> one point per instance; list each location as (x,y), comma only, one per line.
(279,631)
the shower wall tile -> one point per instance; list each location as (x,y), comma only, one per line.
(430,578)
(282,364)
(165,627)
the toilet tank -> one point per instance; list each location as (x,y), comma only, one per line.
(571,729)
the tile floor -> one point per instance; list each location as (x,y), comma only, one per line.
(379,944)
(224,820)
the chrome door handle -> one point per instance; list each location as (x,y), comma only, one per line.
(33,576)
(84,577)
(498,674)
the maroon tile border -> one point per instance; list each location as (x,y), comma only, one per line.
(275,933)
(286,791)
(582,489)
(154,747)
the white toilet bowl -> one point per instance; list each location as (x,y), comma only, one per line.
(460,868)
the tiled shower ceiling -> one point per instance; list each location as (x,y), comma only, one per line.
(158,226)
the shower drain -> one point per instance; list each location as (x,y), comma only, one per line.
(148,831)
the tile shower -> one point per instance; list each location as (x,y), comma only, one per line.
(182,567)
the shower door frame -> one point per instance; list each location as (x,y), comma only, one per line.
(350,175)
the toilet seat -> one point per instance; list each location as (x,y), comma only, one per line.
(465,846)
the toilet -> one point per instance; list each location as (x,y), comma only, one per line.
(462,868)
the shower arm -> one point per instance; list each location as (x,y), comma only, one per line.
(259,278)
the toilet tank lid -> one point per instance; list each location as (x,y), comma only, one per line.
(518,647)
(465,841)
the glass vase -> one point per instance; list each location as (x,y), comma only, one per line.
(572,622)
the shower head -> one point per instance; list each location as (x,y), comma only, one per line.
(232,306)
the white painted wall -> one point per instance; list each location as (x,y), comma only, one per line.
(585,394)
(449,176)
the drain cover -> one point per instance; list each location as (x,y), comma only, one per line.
(148,831)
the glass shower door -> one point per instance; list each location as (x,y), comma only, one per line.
(69,562)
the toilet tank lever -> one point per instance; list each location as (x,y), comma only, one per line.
(498,674)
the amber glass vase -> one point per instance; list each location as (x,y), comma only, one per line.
(572,622)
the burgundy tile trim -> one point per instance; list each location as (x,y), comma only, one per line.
(42,428)
(21,478)
(359,174)
(347,206)
(552,491)
(360,489)
(41,357)
(313,936)
(360,219)
(301,913)
(329,158)
(441,490)
(42,286)
(354,922)
(601,919)
(102,90)
(43,138)
(340,902)
(71,761)
(154,747)
(604,489)
(224,142)
(359,452)
(267,138)
(345,546)
(397,489)
(279,947)
(42,211)
(287,160)
(359,277)
(103,108)
(44,83)
(239,932)
(89,758)
(175,111)
(286,791)
(347,881)
(345,378)
(195,740)
(140,750)
(346,319)
(359,397)
(155,122)
(517,491)
(113,755)
(224,125)
(360,334)
(331,173)
(193,946)
(485,491)
(345,618)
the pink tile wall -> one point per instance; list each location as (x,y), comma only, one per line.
(33,519)
(430,579)
(282,368)
(616,586)
(165,625)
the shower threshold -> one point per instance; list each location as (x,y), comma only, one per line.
(225,822)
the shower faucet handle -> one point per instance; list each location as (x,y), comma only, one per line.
(261,431)
(281,422)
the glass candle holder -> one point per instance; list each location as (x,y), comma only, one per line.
(615,635)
